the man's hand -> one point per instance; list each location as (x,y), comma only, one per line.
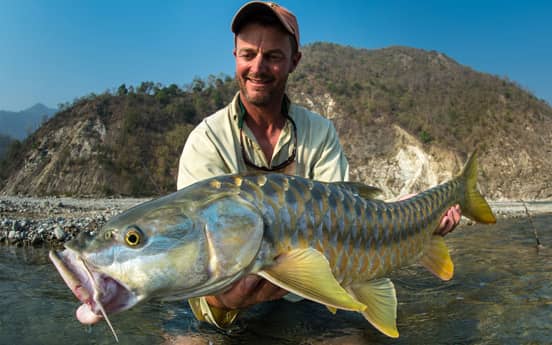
(246,292)
(450,220)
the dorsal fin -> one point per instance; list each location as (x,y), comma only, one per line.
(363,190)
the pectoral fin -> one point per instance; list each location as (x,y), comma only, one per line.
(381,304)
(437,259)
(307,273)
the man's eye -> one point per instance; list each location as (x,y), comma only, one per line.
(247,56)
(275,57)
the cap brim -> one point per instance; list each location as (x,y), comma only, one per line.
(255,7)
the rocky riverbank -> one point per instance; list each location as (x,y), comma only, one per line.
(53,221)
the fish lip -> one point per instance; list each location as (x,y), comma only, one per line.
(113,295)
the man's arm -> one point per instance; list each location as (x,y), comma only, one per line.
(200,159)
(331,165)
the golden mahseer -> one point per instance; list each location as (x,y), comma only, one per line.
(332,243)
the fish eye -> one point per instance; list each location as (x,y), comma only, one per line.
(133,237)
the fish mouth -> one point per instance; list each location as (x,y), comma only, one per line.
(99,293)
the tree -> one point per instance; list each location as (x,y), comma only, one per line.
(146,87)
(122,90)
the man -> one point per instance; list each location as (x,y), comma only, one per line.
(262,130)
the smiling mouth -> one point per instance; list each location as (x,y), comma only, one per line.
(259,80)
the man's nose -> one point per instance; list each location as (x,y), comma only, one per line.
(259,63)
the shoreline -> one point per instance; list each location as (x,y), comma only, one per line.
(51,221)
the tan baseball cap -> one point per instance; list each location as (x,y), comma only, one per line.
(252,8)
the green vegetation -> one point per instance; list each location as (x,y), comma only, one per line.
(155,122)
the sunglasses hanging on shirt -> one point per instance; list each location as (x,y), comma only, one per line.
(280,166)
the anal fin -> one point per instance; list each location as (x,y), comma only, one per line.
(380,299)
(437,259)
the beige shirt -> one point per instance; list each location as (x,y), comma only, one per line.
(213,147)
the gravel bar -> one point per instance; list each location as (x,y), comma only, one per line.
(26,221)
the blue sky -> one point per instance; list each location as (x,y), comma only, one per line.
(54,51)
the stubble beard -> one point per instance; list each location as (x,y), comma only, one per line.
(261,99)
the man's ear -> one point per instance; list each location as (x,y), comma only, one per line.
(295,61)
(234,52)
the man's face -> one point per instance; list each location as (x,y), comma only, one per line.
(263,62)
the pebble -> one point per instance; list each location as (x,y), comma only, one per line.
(59,233)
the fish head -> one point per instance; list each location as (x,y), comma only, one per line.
(170,248)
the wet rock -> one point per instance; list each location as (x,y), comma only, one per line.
(59,233)
(35,240)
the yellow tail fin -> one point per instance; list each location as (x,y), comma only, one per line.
(474,206)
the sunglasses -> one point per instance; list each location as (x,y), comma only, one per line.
(280,166)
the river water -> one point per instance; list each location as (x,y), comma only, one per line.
(501,294)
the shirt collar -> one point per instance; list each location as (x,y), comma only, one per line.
(242,111)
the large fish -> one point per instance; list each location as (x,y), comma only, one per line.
(332,243)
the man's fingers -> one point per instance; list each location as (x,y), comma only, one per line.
(250,283)
(457,212)
(248,291)
(450,220)
(446,225)
(268,292)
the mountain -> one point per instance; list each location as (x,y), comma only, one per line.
(19,125)
(407,119)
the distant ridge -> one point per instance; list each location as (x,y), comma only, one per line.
(19,124)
